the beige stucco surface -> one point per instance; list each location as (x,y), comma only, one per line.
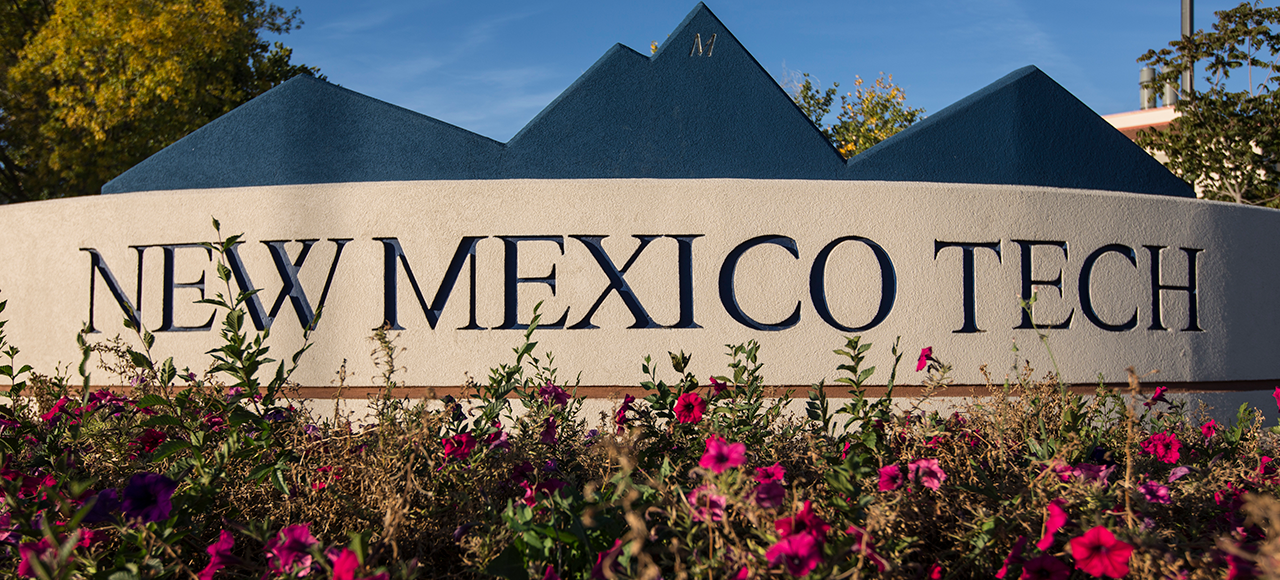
(45,275)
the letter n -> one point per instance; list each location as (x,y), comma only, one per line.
(97,265)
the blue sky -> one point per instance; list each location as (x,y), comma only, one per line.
(489,67)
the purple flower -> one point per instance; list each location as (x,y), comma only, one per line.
(1093,473)
(290,551)
(148,497)
(549,431)
(553,395)
(706,504)
(770,494)
(722,455)
(1178,472)
(620,417)
(107,501)
(1155,493)
(800,554)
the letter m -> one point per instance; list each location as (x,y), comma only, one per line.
(394,253)
(97,265)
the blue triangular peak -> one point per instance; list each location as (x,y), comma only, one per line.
(1024,129)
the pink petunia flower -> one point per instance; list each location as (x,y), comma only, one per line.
(718,387)
(1178,472)
(459,446)
(1045,567)
(890,477)
(1093,473)
(926,355)
(1014,558)
(51,415)
(706,505)
(620,417)
(804,522)
(1098,553)
(799,554)
(774,472)
(1164,446)
(289,552)
(722,455)
(1055,519)
(1276,394)
(1157,397)
(345,564)
(41,551)
(1155,493)
(550,574)
(219,555)
(608,559)
(927,472)
(689,408)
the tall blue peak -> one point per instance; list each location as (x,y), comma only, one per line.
(1024,129)
(701,107)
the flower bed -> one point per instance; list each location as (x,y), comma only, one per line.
(218,474)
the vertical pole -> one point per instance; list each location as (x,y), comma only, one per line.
(1188,27)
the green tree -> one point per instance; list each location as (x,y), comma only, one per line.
(868,115)
(89,88)
(1225,142)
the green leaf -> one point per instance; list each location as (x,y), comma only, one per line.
(169,448)
(152,400)
(162,421)
(509,564)
(277,478)
(139,360)
(260,472)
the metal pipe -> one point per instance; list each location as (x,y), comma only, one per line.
(1146,92)
(1188,27)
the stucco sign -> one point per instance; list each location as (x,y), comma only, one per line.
(623,211)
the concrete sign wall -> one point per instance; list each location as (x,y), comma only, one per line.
(674,202)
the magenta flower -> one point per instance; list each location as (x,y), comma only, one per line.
(548,435)
(1014,558)
(1209,429)
(718,387)
(547,489)
(459,446)
(1163,445)
(770,494)
(927,472)
(219,555)
(51,415)
(608,559)
(42,552)
(1155,493)
(149,440)
(689,408)
(1098,553)
(1157,397)
(1045,567)
(1178,472)
(620,417)
(499,440)
(804,522)
(1276,394)
(1094,473)
(926,355)
(706,505)
(345,564)
(148,497)
(550,574)
(722,455)
(890,477)
(864,544)
(553,395)
(774,472)
(799,554)
(290,551)
(1056,518)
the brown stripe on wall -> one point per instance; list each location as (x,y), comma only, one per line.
(833,391)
